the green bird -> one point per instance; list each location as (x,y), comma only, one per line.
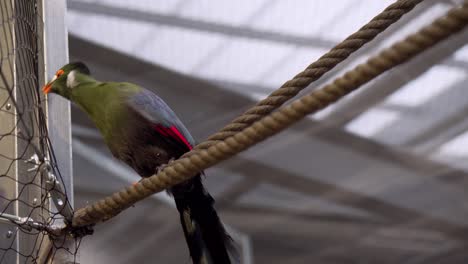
(141,130)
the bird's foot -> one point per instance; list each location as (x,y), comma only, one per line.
(135,183)
(163,166)
(158,169)
(82,231)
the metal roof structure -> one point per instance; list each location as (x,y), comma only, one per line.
(379,177)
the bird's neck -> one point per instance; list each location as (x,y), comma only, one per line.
(92,96)
(103,102)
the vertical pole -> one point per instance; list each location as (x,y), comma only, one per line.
(55,55)
(58,109)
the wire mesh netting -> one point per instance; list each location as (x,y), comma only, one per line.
(30,189)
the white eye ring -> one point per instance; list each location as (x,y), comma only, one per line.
(71,80)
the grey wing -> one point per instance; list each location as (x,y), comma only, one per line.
(154,109)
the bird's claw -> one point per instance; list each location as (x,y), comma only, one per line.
(82,231)
(163,166)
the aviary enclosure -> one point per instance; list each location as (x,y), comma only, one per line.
(38,222)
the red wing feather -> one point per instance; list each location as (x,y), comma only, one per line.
(174,133)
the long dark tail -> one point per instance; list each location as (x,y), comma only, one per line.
(206,237)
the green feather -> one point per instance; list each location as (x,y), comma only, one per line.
(104,102)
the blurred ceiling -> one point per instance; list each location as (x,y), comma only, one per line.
(379,177)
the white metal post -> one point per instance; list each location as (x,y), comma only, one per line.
(55,48)
(58,109)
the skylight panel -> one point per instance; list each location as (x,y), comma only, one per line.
(371,122)
(457,147)
(433,82)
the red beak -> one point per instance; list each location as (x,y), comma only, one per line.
(47,88)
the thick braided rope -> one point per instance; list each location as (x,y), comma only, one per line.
(184,168)
(313,72)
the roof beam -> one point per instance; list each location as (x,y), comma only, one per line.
(394,214)
(376,43)
(457,63)
(432,123)
(378,90)
(197,25)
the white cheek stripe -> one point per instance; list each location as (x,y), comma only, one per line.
(71,80)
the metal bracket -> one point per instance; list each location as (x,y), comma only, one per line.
(53,185)
(29,224)
(34,159)
(57,191)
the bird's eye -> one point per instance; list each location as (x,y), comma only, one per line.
(59,73)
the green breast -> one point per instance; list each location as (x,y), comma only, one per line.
(105,104)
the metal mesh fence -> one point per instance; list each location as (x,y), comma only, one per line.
(30,182)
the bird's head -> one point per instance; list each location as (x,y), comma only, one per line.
(66,78)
